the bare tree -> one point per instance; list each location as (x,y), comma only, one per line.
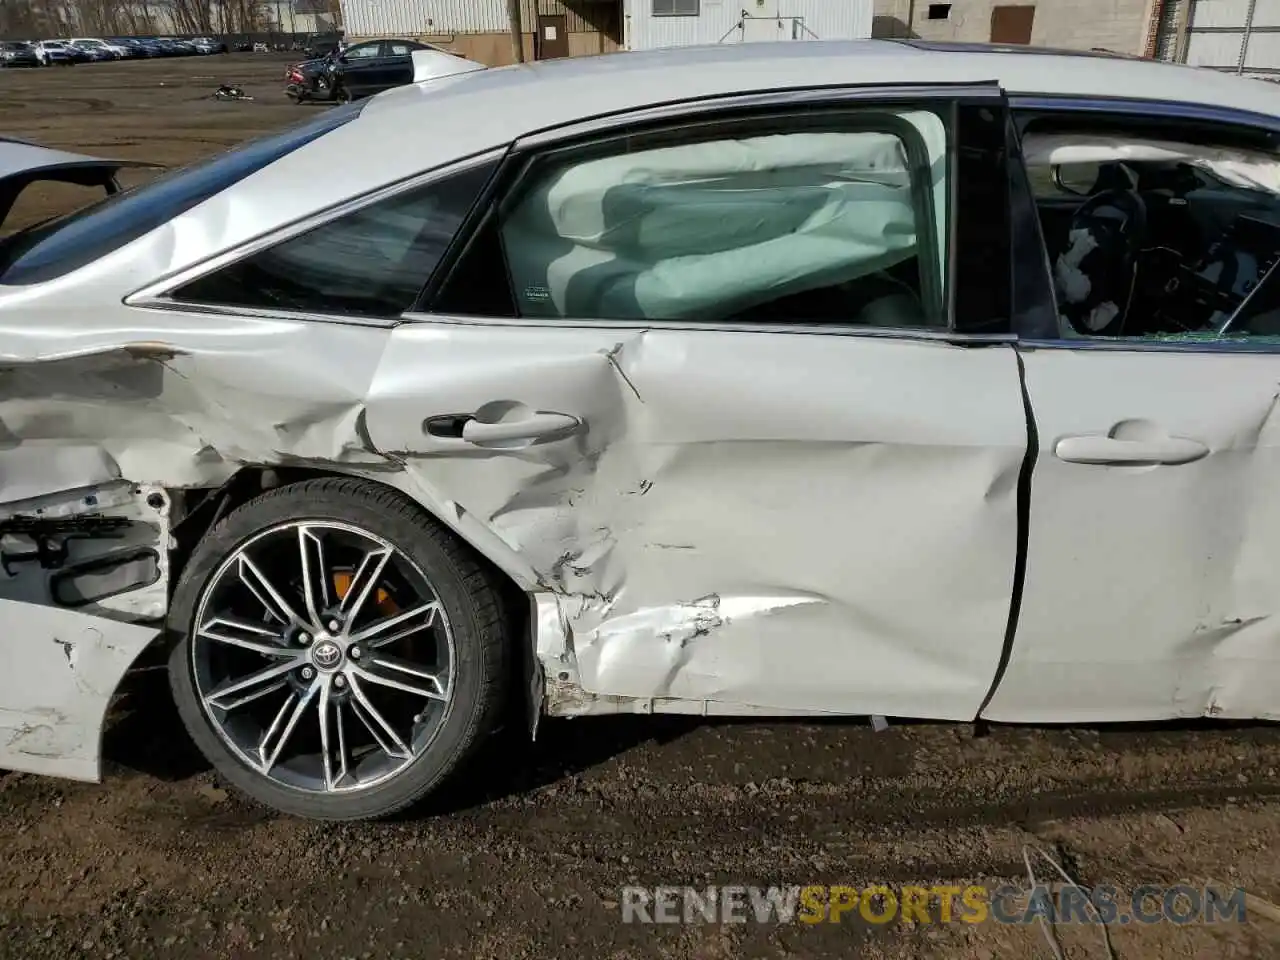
(111,18)
(18,19)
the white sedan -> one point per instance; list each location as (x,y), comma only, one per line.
(772,379)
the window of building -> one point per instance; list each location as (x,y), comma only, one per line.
(939,11)
(371,262)
(675,8)
(843,222)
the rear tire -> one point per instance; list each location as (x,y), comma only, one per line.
(463,709)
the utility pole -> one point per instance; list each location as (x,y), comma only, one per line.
(517,31)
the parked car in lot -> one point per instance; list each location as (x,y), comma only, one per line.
(56,53)
(92,51)
(208,45)
(127,47)
(79,54)
(18,53)
(99,49)
(882,377)
(369,68)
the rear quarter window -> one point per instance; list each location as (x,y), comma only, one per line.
(372,262)
(50,250)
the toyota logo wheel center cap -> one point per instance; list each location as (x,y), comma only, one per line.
(326,655)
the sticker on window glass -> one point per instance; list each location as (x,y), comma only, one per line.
(537,294)
(549,32)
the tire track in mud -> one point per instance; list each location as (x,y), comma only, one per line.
(58,105)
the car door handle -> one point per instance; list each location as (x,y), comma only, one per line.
(542,425)
(1105,450)
(538,426)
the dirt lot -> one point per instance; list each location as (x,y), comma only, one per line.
(526,858)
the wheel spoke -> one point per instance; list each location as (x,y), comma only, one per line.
(283,726)
(267,594)
(339,714)
(379,729)
(235,693)
(411,679)
(315,573)
(365,579)
(241,633)
(375,635)
(331,708)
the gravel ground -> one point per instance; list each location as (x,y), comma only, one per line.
(527,856)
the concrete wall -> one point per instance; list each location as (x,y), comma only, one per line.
(1119,25)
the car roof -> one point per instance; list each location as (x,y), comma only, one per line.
(549,92)
(438,122)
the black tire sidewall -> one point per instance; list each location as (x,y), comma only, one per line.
(411,532)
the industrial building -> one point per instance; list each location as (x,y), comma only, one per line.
(481,29)
(1234,35)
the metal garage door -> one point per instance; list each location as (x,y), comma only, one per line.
(1240,36)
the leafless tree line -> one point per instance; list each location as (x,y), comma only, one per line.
(51,18)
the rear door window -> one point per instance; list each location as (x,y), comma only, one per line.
(834,220)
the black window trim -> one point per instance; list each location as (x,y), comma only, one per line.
(941,98)
(1024,107)
(157,295)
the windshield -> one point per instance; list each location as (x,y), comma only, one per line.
(56,247)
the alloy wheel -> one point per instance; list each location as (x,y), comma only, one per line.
(322,656)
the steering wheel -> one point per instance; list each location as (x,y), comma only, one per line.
(1116,222)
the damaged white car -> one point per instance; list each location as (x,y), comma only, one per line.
(773,379)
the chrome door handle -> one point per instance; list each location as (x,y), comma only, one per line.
(538,426)
(524,428)
(1109,450)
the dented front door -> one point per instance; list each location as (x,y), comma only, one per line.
(784,521)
